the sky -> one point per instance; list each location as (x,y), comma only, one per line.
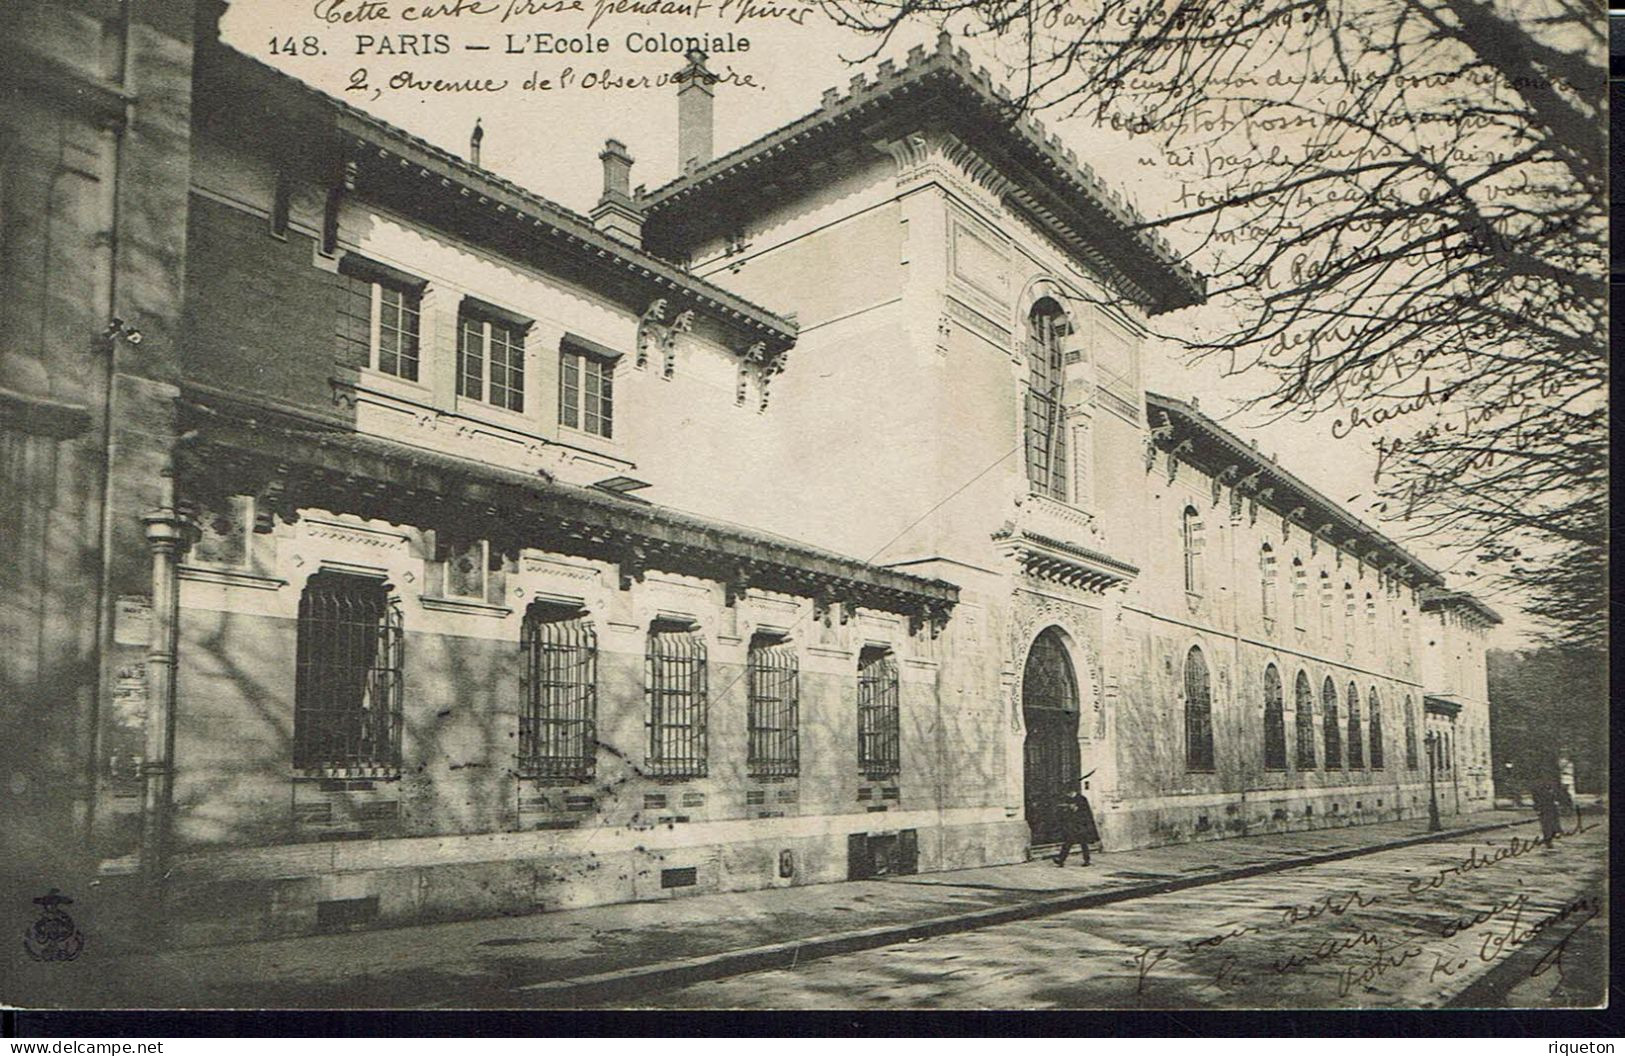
(548,140)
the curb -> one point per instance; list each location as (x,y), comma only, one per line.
(667,974)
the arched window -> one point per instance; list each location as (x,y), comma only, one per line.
(1329,725)
(1410,735)
(558,726)
(773,747)
(879,714)
(1266,580)
(1274,721)
(349,656)
(1349,613)
(1370,610)
(675,683)
(1198,712)
(1191,535)
(1300,594)
(1045,430)
(1325,605)
(1356,742)
(1303,703)
(1374,713)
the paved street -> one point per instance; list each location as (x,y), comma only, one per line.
(1410,927)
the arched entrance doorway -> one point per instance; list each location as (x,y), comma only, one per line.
(1049,709)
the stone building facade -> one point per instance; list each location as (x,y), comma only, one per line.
(436,557)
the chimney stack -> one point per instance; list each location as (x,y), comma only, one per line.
(616,212)
(474,142)
(694,113)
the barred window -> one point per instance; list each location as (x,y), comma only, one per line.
(1300,594)
(1274,721)
(1266,580)
(1045,433)
(879,719)
(491,359)
(378,318)
(1198,712)
(586,391)
(347,694)
(1191,538)
(1329,725)
(675,681)
(1356,742)
(774,748)
(1410,735)
(1303,702)
(558,725)
(1374,710)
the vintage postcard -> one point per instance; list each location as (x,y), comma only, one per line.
(804,504)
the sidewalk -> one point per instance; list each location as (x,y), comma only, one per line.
(580,956)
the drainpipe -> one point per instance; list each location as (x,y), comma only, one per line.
(168,536)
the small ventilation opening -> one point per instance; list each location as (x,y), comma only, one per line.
(685,877)
(339,914)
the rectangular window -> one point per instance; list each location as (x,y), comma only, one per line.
(225,531)
(558,727)
(774,737)
(675,682)
(491,357)
(466,567)
(378,318)
(587,387)
(347,695)
(879,740)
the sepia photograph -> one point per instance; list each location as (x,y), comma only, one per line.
(804,505)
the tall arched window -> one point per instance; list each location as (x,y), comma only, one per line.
(1325,605)
(1349,613)
(1303,703)
(1410,735)
(1329,725)
(1045,430)
(1356,742)
(1191,537)
(1274,721)
(1198,712)
(1300,594)
(1266,580)
(1374,711)
(1370,610)
(349,657)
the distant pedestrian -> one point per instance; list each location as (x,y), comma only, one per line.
(1545,800)
(1077,825)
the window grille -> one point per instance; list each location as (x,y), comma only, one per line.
(1198,712)
(1274,721)
(1411,735)
(1300,594)
(1304,704)
(1374,708)
(1045,434)
(879,725)
(774,748)
(586,392)
(1266,580)
(347,697)
(1329,725)
(1356,742)
(675,681)
(491,361)
(558,725)
(1191,535)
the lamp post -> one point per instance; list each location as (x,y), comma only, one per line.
(1432,740)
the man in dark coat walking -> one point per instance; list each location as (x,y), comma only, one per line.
(1077,823)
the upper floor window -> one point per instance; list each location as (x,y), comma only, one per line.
(347,691)
(1374,727)
(1303,702)
(1300,594)
(1410,735)
(587,387)
(1198,712)
(772,720)
(1266,580)
(491,355)
(1325,605)
(378,317)
(1349,613)
(1191,538)
(558,735)
(1356,741)
(1274,721)
(1332,732)
(675,682)
(1045,431)
(879,713)
(1370,611)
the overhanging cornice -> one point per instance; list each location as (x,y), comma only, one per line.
(1067,563)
